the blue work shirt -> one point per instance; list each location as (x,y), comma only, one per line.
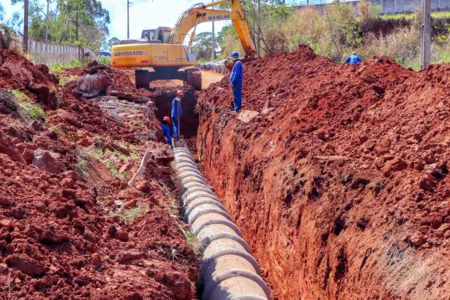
(166,131)
(353,59)
(237,73)
(175,104)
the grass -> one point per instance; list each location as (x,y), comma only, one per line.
(58,68)
(193,242)
(63,80)
(409,16)
(28,110)
(130,215)
(105,60)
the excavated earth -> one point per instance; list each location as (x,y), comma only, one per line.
(74,221)
(337,175)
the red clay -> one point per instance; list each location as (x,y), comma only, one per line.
(340,184)
(62,229)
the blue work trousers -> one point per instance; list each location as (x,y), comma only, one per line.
(237,96)
(175,128)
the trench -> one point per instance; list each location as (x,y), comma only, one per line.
(163,97)
(228,269)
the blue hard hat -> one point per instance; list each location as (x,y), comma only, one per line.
(235,54)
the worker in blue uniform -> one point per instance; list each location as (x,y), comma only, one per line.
(166,130)
(177,113)
(236,81)
(353,59)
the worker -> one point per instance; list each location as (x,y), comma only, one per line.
(166,130)
(236,81)
(353,59)
(177,113)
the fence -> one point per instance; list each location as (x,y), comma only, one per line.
(387,6)
(52,54)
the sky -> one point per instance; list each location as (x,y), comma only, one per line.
(144,14)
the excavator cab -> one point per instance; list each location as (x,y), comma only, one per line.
(160,34)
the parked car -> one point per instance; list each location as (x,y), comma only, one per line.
(100,54)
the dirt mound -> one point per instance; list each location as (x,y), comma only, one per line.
(339,178)
(70,225)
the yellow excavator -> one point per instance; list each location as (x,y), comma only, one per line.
(164,49)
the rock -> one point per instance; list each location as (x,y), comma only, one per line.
(7,147)
(143,186)
(46,161)
(28,155)
(122,236)
(178,284)
(396,165)
(96,261)
(444,228)
(129,255)
(37,125)
(67,183)
(45,95)
(418,239)
(52,236)
(84,142)
(25,264)
(428,183)
(71,174)
(92,85)
(3,268)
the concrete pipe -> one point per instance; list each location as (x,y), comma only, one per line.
(229,271)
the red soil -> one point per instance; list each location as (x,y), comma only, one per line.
(62,227)
(340,184)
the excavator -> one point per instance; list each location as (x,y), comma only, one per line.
(164,50)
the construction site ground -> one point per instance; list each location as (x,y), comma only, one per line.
(336,175)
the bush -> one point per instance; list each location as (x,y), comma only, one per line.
(28,110)
(104,60)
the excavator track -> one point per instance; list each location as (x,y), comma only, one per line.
(194,78)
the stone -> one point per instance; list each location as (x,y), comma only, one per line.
(3,268)
(417,239)
(96,261)
(46,161)
(25,264)
(67,183)
(428,183)
(122,236)
(28,155)
(129,255)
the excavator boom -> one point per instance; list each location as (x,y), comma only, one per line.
(163,49)
(200,13)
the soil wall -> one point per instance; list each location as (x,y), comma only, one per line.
(337,175)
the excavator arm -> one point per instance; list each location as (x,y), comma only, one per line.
(202,13)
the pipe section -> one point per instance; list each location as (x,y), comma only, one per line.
(229,271)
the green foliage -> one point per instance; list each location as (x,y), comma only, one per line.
(193,242)
(28,110)
(202,45)
(107,44)
(58,68)
(92,23)
(130,215)
(105,60)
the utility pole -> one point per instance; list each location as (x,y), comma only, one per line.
(76,32)
(46,32)
(425,50)
(25,26)
(128,19)
(213,50)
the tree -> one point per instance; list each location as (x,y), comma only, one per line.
(202,45)
(2,12)
(107,44)
(85,19)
